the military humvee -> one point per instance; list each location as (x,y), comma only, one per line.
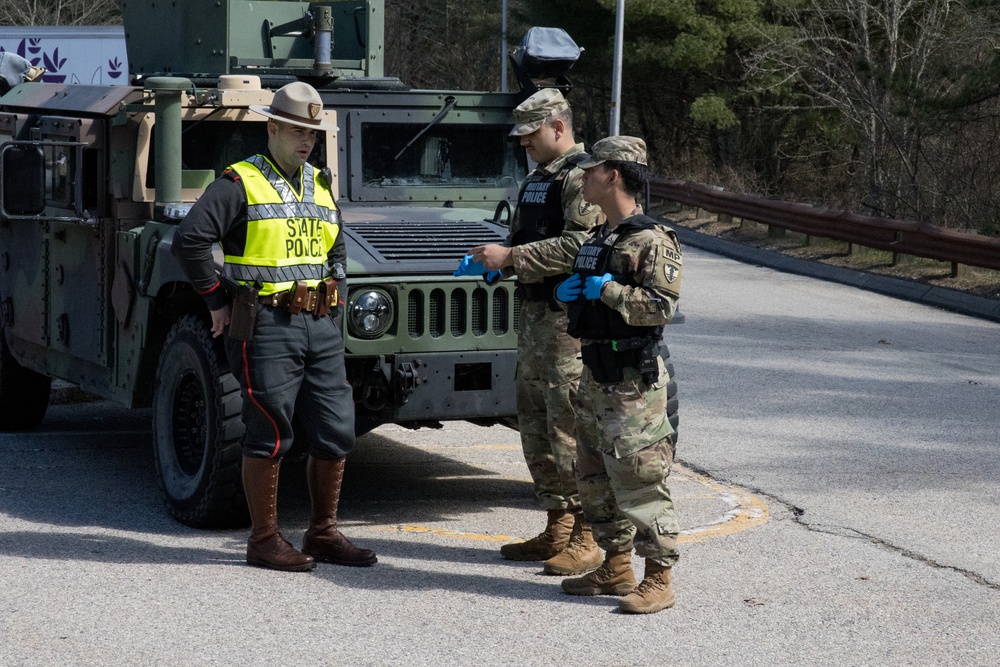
(94,179)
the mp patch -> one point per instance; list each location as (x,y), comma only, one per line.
(671,254)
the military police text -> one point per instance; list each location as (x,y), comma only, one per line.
(535,193)
(587,257)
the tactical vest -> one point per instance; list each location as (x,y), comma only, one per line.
(592,319)
(540,216)
(289,234)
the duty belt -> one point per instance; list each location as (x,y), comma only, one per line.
(543,291)
(606,360)
(301,298)
(534,292)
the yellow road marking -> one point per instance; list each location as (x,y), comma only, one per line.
(440,532)
(746,511)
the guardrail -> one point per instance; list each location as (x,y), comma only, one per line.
(908,237)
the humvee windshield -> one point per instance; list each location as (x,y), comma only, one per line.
(216,144)
(450,155)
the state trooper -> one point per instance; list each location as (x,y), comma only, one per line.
(624,289)
(280,230)
(549,224)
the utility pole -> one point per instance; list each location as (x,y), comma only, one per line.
(503,49)
(616,74)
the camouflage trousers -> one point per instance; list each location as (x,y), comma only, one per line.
(624,452)
(548,373)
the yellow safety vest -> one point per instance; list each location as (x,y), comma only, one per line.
(289,234)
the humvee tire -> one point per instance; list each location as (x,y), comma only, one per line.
(197,429)
(24,394)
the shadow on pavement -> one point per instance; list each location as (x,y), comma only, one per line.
(91,465)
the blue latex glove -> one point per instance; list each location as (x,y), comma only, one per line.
(592,290)
(570,289)
(469,267)
(493,276)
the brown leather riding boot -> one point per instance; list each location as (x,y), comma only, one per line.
(581,554)
(613,577)
(654,593)
(323,541)
(266,547)
(545,545)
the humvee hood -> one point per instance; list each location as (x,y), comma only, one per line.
(418,240)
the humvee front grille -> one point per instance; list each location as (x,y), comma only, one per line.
(460,309)
(401,241)
(501,308)
(459,316)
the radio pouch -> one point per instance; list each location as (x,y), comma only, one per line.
(602,362)
(326,297)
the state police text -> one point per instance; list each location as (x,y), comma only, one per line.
(305,238)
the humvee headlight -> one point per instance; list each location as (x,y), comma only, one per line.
(369,314)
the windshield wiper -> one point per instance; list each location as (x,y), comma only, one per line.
(449,104)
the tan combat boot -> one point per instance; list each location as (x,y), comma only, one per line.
(544,546)
(581,555)
(613,577)
(266,546)
(653,594)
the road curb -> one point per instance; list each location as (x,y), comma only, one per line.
(901,288)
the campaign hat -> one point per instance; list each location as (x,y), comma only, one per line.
(296,103)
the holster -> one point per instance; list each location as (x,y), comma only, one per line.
(649,362)
(243,312)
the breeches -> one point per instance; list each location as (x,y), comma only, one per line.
(292,372)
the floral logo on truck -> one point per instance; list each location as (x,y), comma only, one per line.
(66,65)
(114,68)
(29,47)
(53,64)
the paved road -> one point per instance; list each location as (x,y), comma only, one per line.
(837,481)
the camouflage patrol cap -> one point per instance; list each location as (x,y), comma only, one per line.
(532,113)
(621,148)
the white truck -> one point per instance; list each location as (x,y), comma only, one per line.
(71,54)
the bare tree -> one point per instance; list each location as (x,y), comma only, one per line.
(877,63)
(444,43)
(59,12)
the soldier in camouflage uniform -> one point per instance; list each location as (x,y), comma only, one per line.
(625,287)
(550,222)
